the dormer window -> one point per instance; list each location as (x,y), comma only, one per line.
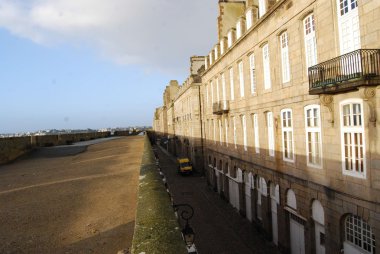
(222,46)
(249,19)
(262,8)
(238,29)
(231,37)
(216,52)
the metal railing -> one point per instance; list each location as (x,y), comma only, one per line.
(361,64)
(221,107)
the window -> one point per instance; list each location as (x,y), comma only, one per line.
(267,81)
(232,85)
(352,135)
(234,126)
(287,135)
(310,41)
(285,57)
(238,30)
(214,130)
(210,58)
(220,132)
(244,125)
(223,86)
(270,133)
(207,87)
(217,89)
(222,42)
(349,27)
(313,136)
(226,129)
(216,52)
(230,38)
(241,78)
(212,92)
(248,18)
(256,132)
(262,8)
(359,233)
(252,73)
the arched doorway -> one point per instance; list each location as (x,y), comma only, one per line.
(234,188)
(296,225)
(318,215)
(261,186)
(275,201)
(248,180)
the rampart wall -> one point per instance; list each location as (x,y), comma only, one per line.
(14,147)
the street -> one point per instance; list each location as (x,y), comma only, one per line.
(218,226)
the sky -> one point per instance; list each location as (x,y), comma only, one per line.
(69,64)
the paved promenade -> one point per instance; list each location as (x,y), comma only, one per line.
(71,199)
(219,228)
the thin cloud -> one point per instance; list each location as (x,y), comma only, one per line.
(156,34)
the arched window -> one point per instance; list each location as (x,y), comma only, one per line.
(291,200)
(359,233)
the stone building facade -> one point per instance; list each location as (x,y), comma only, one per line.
(181,132)
(289,102)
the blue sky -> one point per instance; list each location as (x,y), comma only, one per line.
(76,64)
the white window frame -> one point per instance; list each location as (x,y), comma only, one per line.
(217,89)
(350,13)
(207,99)
(310,41)
(270,127)
(239,31)
(314,128)
(252,73)
(284,43)
(232,84)
(352,130)
(223,78)
(244,127)
(248,18)
(212,92)
(241,78)
(256,132)
(234,126)
(262,8)
(214,130)
(230,39)
(266,67)
(226,130)
(358,233)
(220,132)
(287,129)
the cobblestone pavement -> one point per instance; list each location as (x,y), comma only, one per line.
(218,227)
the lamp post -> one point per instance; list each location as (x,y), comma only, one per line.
(186,212)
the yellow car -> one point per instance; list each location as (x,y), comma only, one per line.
(184,166)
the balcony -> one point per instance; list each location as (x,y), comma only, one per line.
(221,107)
(346,72)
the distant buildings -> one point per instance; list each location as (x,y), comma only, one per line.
(282,118)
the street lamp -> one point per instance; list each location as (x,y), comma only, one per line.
(186,212)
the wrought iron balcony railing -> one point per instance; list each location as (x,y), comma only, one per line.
(346,72)
(221,107)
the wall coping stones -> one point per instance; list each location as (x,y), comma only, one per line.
(156,227)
